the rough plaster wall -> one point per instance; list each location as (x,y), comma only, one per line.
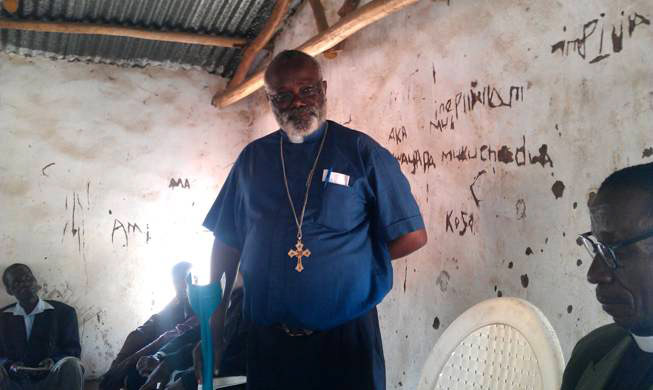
(88,152)
(569,122)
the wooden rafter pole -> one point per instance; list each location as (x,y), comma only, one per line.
(348,7)
(322,25)
(98,29)
(320,17)
(347,26)
(259,43)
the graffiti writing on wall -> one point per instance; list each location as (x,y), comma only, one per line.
(593,46)
(460,222)
(131,230)
(417,159)
(452,109)
(398,134)
(519,154)
(174,183)
(75,225)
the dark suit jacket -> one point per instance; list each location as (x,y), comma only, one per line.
(596,357)
(179,351)
(55,335)
(174,313)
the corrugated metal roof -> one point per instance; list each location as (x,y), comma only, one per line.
(233,18)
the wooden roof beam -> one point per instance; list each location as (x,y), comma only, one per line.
(259,43)
(107,30)
(348,7)
(347,26)
(323,25)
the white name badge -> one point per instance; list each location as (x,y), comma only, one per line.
(335,178)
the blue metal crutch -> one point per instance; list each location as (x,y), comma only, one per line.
(204,300)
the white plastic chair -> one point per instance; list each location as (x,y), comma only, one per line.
(226,382)
(498,344)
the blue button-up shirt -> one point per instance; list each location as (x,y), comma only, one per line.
(347,227)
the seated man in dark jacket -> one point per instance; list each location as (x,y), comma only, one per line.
(172,321)
(39,339)
(177,355)
(619,356)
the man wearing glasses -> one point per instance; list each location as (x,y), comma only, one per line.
(313,212)
(619,355)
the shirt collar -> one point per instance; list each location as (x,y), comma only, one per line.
(40,307)
(645,343)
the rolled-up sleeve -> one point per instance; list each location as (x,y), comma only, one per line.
(395,210)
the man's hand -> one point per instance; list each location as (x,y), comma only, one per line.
(15,365)
(161,374)
(146,364)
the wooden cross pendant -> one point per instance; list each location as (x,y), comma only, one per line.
(299,252)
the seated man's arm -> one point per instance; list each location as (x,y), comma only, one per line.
(69,344)
(191,336)
(135,340)
(114,378)
(182,358)
(171,353)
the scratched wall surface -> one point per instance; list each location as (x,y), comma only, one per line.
(505,116)
(105,176)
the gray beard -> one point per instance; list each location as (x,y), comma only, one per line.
(297,131)
(297,134)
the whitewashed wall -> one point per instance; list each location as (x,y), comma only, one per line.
(118,136)
(565,120)
(87,157)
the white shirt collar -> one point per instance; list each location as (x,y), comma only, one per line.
(645,343)
(40,307)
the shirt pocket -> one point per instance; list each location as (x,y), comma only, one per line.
(341,207)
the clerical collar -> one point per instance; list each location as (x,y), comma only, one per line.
(313,137)
(645,343)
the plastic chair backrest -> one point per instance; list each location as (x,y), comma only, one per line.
(498,344)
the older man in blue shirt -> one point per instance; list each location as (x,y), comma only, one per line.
(313,212)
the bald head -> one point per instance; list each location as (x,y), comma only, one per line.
(624,203)
(289,62)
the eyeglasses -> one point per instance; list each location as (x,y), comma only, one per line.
(607,252)
(285,99)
